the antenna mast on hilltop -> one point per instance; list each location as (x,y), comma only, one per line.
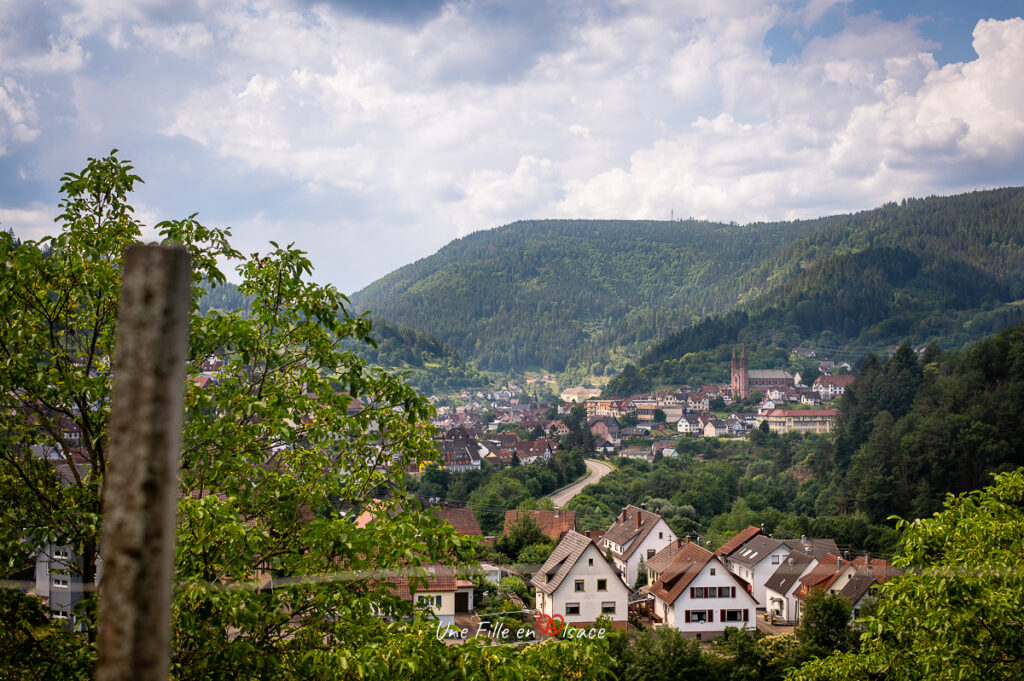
(672,215)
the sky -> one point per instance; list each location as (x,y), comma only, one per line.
(371,133)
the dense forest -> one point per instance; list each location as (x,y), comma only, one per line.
(913,428)
(432,366)
(591,296)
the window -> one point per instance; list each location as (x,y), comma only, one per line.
(60,582)
(775,559)
(579,585)
(726,592)
(660,535)
(607,607)
(734,616)
(60,615)
(712,572)
(590,562)
(650,553)
(602,585)
(61,554)
(572,608)
(699,616)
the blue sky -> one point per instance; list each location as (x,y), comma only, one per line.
(372,133)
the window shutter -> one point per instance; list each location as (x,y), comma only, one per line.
(687,615)
(721,615)
(692,590)
(711,615)
(733,593)
(745,616)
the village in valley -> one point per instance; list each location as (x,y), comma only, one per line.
(637,572)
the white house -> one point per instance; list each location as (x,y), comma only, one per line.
(636,534)
(698,596)
(758,559)
(577,583)
(689,424)
(780,589)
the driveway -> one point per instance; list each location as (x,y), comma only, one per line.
(595,471)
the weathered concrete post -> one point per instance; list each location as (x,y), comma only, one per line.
(141,478)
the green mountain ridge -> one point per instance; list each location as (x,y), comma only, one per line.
(594,295)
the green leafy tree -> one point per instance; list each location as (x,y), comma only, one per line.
(825,623)
(956,614)
(273,579)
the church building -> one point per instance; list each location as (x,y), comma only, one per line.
(746,381)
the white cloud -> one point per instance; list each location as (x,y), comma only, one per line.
(29,223)
(17,114)
(412,133)
(185,40)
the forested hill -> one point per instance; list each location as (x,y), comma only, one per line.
(433,365)
(595,294)
(531,294)
(946,270)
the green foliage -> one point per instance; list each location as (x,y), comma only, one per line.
(273,467)
(956,614)
(34,646)
(825,624)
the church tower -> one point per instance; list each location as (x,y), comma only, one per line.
(740,377)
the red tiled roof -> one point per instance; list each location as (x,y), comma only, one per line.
(439,578)
(741,538)
(689,561)
(462,519)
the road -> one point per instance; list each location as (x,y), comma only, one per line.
(595,471)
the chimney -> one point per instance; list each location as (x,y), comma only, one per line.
(622,518)
(679,543)
(687,539)
(643,506)
(803,539)
(638,520)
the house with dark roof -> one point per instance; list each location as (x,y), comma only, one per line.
(852,579)
(636,534)
(780,599)
(741,538)
(697,595)
(577,583)
(758,559)
(554,524)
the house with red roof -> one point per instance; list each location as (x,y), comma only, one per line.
(697,595)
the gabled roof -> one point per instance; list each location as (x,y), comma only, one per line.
(689,561)
(816,548)
(785,578)
(823,574)
(553,524)
(561,561)
(439,578)
(741,538)
(839,380)
(756,550)
(857,586)
(462,519)
(634,524)
(660,561)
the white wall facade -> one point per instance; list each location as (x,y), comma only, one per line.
(738,603)
(590,568)
(761,572)
(660,536)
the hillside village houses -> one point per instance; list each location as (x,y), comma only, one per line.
(697,595)
(636,535)
(577,583)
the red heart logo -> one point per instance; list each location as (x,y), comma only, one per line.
(548,625)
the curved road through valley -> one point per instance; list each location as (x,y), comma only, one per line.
(595,471)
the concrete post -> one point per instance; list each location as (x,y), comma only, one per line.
(141,475)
